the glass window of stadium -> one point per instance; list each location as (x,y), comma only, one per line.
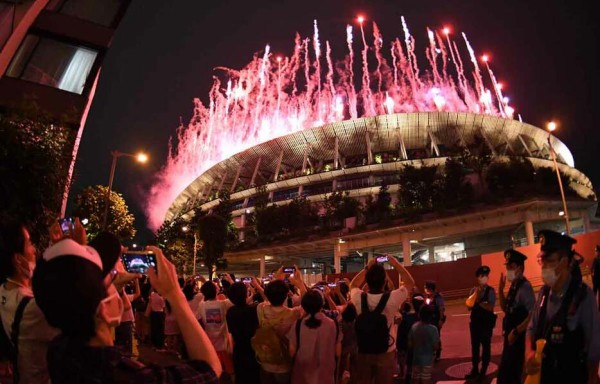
(54,63)
(101,12)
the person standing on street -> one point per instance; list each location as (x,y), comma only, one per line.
(517,306)
(435,299)
(483,321)
(565,315)
(596,275)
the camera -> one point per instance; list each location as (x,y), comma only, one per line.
(138,262)
(289,269)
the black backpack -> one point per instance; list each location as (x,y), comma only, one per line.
(10,343)
(372,332)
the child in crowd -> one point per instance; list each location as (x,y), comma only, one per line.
(408,319)
(349,346)
(424,340)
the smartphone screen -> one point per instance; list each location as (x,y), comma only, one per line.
(332,285)
(382,259)
(246,280)
(289,269)
(138,262)
(66,224)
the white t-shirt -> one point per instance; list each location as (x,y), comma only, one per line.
(396,299)
(34,334)
(156,302)
(212,313)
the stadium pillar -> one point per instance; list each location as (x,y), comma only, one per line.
(406,253)
(529,232)
(261,272)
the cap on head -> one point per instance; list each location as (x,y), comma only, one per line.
(68,286)
(430,284)
(552,241)
(484,270)
(109,249)
(513,256)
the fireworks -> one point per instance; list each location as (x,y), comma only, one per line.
(276,95)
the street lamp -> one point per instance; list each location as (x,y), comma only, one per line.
(551,127)
(140,158)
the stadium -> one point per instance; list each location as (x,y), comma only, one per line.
(358,156)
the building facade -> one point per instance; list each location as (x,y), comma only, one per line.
(51,52)
(359,156)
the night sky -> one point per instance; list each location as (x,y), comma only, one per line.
(164,54)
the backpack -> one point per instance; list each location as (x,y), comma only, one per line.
(10,343)
(268,345)
(372,332)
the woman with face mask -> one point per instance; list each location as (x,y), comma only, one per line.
(516,306)
(482,323)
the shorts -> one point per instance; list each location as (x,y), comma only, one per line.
(421,372)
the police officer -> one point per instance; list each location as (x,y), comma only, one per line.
(435,299)
(565,315)
(516,306)
(482,323)
(596,274)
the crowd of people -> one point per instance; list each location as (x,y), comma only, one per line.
(73,314)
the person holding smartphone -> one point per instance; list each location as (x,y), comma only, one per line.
(78,297)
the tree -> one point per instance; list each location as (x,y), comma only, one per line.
(339,206)
(378,210)
(178,244)
(456,190)
(418,188)
(35,154)
(89,204)
(212,231)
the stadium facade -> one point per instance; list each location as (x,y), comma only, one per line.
(358,156)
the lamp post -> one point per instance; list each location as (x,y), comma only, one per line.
(140,157)
(551,128)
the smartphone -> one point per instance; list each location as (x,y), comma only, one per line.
(66,224)
(138,262)
(289,269)
(332,285)
(246,280)
(320,287)
(382,259)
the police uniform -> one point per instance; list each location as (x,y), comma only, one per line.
(567,319)
(481,327)
(518,304)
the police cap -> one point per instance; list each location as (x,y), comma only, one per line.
(484,270)
(552,241)
(513,256)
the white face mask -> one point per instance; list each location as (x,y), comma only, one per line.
(483,280)
(113,319)
(511,275)
(31,268)
(549,276)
